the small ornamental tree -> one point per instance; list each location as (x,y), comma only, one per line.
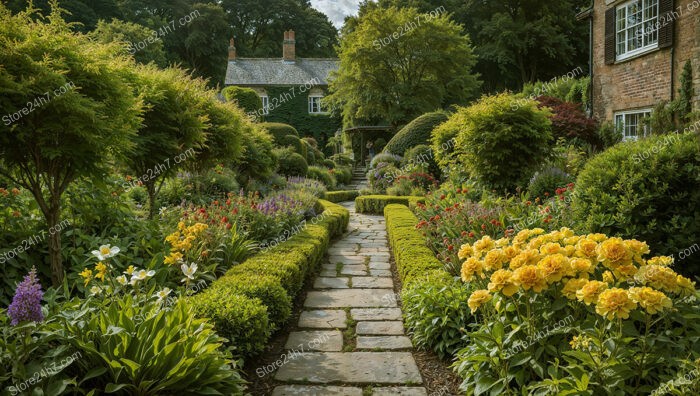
(67,107)
(570,122)
(223,134)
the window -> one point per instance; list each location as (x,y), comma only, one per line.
(265,104)
(636,27)
(632,124)
(315,105)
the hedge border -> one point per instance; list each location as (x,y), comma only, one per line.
(284,267)
(341,196)
(375,204)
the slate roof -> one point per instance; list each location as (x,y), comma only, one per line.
(275,72)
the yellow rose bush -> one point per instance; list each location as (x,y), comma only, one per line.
(561,313)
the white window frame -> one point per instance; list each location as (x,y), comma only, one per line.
(622,117)
(644,31)
(265,104)
(319,109)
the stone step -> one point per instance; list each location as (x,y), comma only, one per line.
(324,319)
(351,298)
(385,342)
(310,390)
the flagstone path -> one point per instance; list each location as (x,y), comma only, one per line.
(351,340)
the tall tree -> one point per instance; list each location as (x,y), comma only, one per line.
(68,110)
(133,35)
(397,64)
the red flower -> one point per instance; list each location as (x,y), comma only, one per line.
(450,247)
(546,194)
(464,233)
(442,197)
(483,226)
(235,211)
(459,191)
(471,234)
(528,203)
(224,219)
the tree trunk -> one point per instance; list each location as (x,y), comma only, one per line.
(52,220)
(151,188)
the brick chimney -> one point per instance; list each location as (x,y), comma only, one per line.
(231,50)
(289,47)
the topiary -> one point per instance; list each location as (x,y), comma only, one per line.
(278,130)
(328,163)
(416,132)
(504,140)
(323,175)
(295,143)
(246,98)
(648,190)
(547,181)
(291,163)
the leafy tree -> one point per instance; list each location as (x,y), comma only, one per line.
(130,34)
(68,109)
(245,98)
(397,64)
(223,134)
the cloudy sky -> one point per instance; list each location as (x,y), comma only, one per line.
(336,10)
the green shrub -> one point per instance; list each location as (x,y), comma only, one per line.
(375,204)
(382,177)
(504,140)
(246,98)
(609,135)
(278,131)
(416,132)
(548,181)
(215,182)
(295,143)
(291,163)
(341,196)
(386,158)
(258,160)
(342,159)
(323,175)
(422,156)
(343,175)
(263,287)
(328,163)
(444,138)
(379,145)
(648,190)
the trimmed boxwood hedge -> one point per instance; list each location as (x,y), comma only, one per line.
(247,98)
(279,131)
(434,303)
(375,204)
(415,133)
(246,304)
(341,196)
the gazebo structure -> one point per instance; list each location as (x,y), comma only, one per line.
(362,134)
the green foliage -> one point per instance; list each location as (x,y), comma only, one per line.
(279,131)
(341,196)
(222,133)
(258,161)
(375,204)
(686,92)
(649,190)
(343,174)
(322,174)
(503,140)
(128,33)
(609,135)
(387,158)
(382,76)
(295,143)
(291,163)
(547,180)
(379,144)
(342,159)
(245,98)
(422,156)
(417,132)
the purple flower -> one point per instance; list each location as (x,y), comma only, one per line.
(26,304)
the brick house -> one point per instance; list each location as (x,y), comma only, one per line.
(290,88)
(638,50)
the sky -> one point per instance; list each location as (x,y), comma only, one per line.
(336,10)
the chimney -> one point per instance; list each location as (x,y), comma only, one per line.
(288,47)
(231,50)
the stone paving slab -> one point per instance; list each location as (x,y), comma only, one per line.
(324,319)
(328,273)
(380,328)
(400,391)
(308,390)
(381,265)
(386,342)
(327,282)
(366,314)
(352,298)
(316,340)
(379,272)
(352,367)
(371,282)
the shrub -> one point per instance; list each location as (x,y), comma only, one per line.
(547,181)
(258,160)
(382,177)
(385,158)
(246,98)
(570,122)
(295,143)
(291,163)
(379,145)
(648,190)
(422,155)
(443,140)
(278,131)
(504,140)
(609,135)
(341,196)
(416,132)
(322,174)
(375,204)
(215,182)
(343,174)
(328,163)
(342,159)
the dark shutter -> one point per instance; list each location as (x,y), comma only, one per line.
(610,47)
(667,16)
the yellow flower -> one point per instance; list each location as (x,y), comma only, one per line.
(173,258)
(536,231)
(582,266)
(530,277)
(502,242)
(554,267)
(521,237)
(465,251)
(472,267)
(510,252)
(685,285)
(484,244)
(586,248)
(658,277)
(652,300)
(494,260)
(173,238)
(526,257)
(477,299)
(572,286)
(580,342)
(608,277)
(614,253)
(535,243)
(663,261)
(129,271)
(502,280)
(567,232)
(626,271)
(597,237)
(572,240)
(87,275)
(615,302)
(638,249)
(551,248)
(101,270)
(590,291)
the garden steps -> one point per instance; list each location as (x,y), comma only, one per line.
(350,338)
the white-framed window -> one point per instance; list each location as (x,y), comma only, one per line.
(632,124)
(636,27)
(265,104)
(315,105)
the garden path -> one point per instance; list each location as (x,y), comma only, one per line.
(351,340)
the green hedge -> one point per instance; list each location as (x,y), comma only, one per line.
(279,131)
(375,204)
(247,303)
(246,98)
(415,133)
(341,196)
(434,303)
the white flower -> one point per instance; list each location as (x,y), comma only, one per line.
(188,271)
(162,210)
(141,275)
(95,290)
(163,294)
(106,252)
(121,279)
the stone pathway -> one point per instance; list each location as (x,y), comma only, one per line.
(359,179)
(351,339)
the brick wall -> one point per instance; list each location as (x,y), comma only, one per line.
(643,81)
